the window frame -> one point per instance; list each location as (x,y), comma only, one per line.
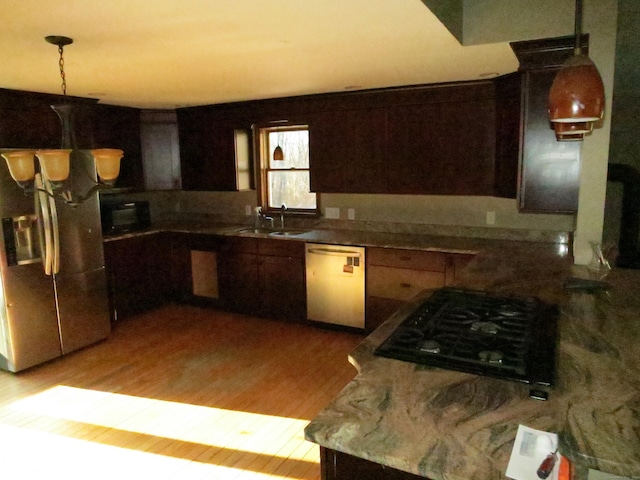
(262,162)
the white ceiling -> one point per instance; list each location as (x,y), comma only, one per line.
(172,53)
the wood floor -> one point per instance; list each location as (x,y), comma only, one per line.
(178,393)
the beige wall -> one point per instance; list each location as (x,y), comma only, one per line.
(444,210)
(509,20)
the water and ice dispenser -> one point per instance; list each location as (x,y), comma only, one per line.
(21,239)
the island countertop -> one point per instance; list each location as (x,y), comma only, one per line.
(442,424)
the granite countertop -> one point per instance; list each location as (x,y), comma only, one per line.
(456,426)
(433,242)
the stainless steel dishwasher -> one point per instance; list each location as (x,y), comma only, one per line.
(335,284)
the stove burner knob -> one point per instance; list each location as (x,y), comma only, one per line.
(430,346)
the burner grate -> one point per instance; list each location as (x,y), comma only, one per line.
(479,332)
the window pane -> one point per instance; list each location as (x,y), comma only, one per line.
(290,187)
(243,159)
(295,146)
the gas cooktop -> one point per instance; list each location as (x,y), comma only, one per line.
(478,332)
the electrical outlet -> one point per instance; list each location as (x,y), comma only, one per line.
(491,218)
(332,212)
(351,214)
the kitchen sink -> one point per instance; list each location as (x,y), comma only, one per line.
(263,231)
(288,233)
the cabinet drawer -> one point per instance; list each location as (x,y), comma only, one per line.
(413,259)
(400,283)
(239,245)
(283,248)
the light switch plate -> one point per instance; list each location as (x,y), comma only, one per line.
(491,218)
(351,214)
(332,212)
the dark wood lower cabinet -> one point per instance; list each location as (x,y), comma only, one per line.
(336,465)
(263,277)
(137,274)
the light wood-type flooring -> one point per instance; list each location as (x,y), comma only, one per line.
(178,393)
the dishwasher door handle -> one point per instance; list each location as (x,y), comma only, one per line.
(334,252)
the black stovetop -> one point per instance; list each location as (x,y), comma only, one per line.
(510,337)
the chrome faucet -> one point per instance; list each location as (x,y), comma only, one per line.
(261,218)
(283,209)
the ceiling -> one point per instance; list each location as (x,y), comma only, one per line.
(174,53)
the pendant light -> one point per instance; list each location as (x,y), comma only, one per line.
(55,163)
(576,98)
(278,154)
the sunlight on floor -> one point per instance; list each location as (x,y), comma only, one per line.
(132,437)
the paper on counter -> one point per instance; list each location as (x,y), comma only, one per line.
(597,475)
(529,450)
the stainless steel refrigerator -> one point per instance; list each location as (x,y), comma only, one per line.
(53,294)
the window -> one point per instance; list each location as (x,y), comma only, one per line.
(286,181)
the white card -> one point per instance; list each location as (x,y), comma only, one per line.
(530,448)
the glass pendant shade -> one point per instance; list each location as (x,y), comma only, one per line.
(108,164)
(54,164)
(21,165)
(572,131)
(278,154)
(577,93)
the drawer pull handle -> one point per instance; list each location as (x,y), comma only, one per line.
(405,285)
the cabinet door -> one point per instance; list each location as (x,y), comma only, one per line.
(207,152)
(138,274)
(238,275)
(282,288)
(327,151)
(347,151)
(467,147)
(119,127)
(442,148)
(28,121)
(30,128)
(161,154)
(238,282)
(508,126)
(416,152)
(366,161)
(181,267)
(336,465)
(549,170)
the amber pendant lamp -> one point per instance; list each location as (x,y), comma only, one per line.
(576,98)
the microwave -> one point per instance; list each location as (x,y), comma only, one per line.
(123,216)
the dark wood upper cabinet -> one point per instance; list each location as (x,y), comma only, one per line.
(207,151)
(415,149)
(348,151)
(27,121)
(508,131)
(445,146)
(549,172)
(434,139)
(119,127)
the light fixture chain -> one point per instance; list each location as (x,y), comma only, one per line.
(62,75)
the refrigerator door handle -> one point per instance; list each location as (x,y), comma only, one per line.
(55,232)
(42,211)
